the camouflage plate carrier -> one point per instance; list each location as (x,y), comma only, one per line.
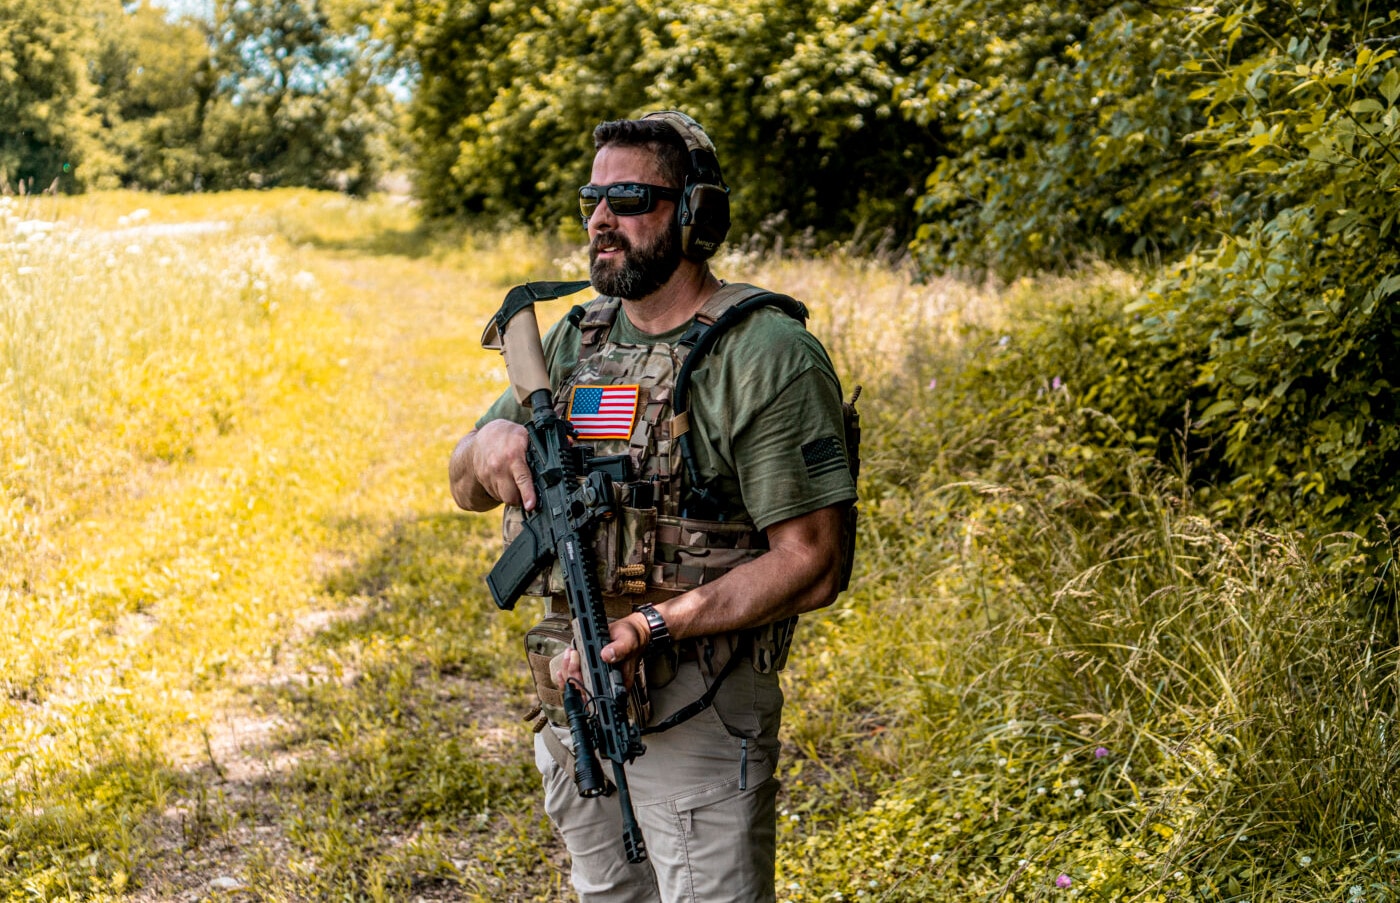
(657,547)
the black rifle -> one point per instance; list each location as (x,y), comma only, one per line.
(574,491)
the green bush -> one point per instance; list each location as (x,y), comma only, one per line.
(796,97)
(1062,674)
(1295,310)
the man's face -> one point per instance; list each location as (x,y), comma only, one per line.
(631,256)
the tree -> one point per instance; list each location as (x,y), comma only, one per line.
(292,104)
(154,81)
(796,99)
(48,126)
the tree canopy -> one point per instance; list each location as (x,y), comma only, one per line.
(1243,155)
(262,93)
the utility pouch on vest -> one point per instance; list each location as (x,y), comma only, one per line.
(547,640)
(690,552)
(626,554)
(543,642)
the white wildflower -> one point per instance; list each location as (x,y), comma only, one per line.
(33,227)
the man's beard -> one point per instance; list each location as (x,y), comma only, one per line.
(642,269)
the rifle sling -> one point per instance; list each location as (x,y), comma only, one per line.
(704,702)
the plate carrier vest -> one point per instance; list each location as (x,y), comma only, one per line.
(665,539)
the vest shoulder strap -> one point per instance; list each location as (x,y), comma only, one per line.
(726,308)
(595,322)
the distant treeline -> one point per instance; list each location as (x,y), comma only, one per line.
(97,94)
(1245,154)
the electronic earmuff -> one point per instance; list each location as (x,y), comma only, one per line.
(703,211)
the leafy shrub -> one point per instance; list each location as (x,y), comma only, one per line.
(1296,309)
(796,97)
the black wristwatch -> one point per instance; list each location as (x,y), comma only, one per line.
(660,642)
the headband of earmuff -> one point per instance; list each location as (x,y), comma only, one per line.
(703,212)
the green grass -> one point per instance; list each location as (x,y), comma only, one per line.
(247,650)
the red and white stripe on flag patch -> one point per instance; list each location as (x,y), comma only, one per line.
(603,412)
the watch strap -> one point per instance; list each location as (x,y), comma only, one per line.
(660,641)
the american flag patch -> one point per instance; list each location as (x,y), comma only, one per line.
(823,456)
(603,412)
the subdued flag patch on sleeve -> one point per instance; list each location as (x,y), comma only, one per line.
(603,412)
(823,456)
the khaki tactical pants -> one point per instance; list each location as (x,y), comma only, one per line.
(707,839)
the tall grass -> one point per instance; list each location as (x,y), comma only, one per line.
(1061,677)
(246,649)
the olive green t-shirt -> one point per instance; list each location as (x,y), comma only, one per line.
(765,413)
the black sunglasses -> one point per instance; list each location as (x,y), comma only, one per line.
(624,198)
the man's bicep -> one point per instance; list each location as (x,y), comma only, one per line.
(791,458)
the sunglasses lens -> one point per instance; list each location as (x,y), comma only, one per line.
(629,198)
(588,198)
(624,198)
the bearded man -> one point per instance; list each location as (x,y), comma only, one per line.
(737,520)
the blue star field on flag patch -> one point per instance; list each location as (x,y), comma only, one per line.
(823,456)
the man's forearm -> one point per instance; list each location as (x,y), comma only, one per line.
(799,573)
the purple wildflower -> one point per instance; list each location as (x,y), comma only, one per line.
(1101,752)
(1064,881)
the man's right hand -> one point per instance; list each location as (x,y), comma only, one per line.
(488,468)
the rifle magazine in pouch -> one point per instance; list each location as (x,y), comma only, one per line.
(623,546)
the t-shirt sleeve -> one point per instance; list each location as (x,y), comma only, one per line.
(791,457)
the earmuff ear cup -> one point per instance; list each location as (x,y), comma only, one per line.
(704,218)
(703,213)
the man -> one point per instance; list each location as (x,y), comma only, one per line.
(726,584)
